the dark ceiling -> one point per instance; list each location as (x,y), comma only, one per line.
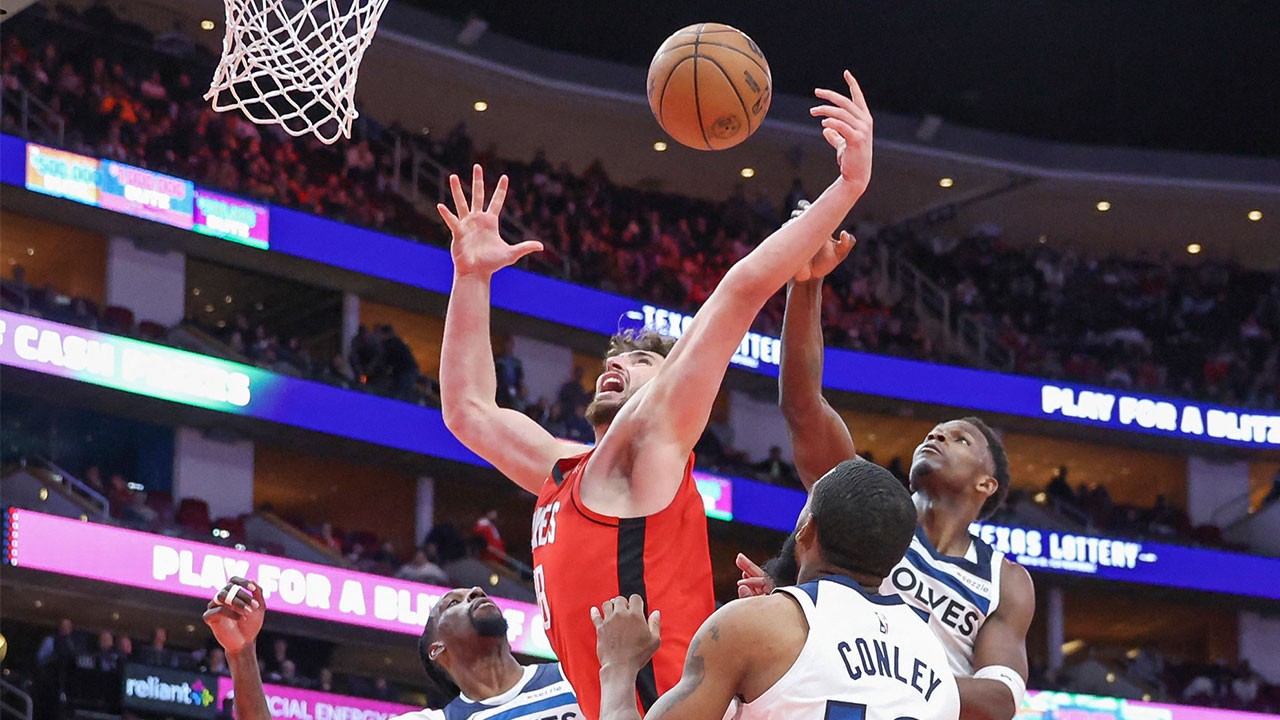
(1172,74)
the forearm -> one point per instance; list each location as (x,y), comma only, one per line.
(982,699)
(618,693)
(820,440)
(800,373)
(776,260)
(246,677)
(467,374)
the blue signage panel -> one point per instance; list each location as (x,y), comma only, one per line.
(371,253)
(182,377)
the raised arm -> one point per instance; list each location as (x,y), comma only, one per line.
(820,440)
(676,405)
(235,616)
(1000,651)
(509,440)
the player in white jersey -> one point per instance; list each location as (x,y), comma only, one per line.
(463,648)
(980,604)
(830,648)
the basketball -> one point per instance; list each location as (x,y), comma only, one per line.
(709,86)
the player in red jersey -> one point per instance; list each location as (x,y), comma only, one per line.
(625,516)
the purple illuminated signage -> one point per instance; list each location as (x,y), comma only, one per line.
(182,567)
(230,218)
(290,703)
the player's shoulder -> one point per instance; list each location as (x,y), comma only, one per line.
(1016,588)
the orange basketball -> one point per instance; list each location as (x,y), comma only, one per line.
(709,86)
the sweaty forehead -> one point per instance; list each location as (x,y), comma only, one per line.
(961,426)
(637,354)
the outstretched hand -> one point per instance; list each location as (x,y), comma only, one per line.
(623,636)
(847,126)
(236,613)
(477,248)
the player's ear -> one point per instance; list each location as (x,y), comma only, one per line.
(436,648)
(807,533)
(987,485)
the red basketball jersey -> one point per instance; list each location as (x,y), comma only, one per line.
(582,558)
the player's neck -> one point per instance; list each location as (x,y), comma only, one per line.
(824,569)
(489,675)
(600,430)
(945,522)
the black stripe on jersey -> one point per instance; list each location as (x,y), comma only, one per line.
(631,582)
(557,474)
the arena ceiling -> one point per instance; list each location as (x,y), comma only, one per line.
(1198,76)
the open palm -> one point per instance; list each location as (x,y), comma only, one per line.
(477,247)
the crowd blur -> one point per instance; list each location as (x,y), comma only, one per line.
(1209,330)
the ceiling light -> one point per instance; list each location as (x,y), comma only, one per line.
(748,172)
(1103,206)
(1254,215)
(206,24)
(1072,646)
(195,291)
(480,106)
(1194,248)
(227,299)
(946,182)
(39,603)
(660,146)
(115,616)
(208,308)
(31,251)
(1044,239)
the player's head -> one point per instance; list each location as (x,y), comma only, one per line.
(632,360)
(858,519)
(963,457)
(463,626)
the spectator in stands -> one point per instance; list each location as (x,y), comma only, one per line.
(1059,489)
(137,513)
(577,427)
(216,662)
(1246,685)
(93,478)
(421,569)
(486,527)
(510,372)
(774,469)
(274,663)
(338,372)
(105,658)
(120,496)
(573,393)
(326,682)
(327,538)
(387,557)
(397,363)
(55,660)
(124,646)
(156,653)
(365,349)
(288,675)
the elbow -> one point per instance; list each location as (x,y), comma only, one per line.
(459,416)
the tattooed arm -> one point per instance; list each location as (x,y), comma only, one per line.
(740,651)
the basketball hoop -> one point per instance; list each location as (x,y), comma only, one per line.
(294,63)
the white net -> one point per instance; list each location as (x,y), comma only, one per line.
(294,63)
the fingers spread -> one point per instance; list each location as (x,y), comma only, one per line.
(450,220)
(459,198)
(499,196)
(477,187)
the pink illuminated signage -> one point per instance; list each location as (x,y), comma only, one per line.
(290,703)
(154,562)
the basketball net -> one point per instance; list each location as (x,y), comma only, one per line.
(294,63)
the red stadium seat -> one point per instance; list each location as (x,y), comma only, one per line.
(152,330)
(117,319)
(193,514)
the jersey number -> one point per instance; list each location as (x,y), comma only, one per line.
(540,589)
(837,710)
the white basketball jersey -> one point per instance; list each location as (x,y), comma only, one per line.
(959,594)
(867,657)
